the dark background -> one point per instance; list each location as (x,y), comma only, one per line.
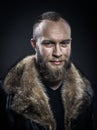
(16,20)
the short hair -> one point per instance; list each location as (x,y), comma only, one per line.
(50,15)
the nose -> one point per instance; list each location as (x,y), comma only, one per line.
(57,52)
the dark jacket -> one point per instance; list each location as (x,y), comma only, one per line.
(27,104)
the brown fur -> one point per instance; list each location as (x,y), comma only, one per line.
(30,97)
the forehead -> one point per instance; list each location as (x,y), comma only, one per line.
(53,29)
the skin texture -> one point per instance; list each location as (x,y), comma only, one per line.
(53,49)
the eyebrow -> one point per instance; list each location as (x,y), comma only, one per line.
(67,40)
(48,41)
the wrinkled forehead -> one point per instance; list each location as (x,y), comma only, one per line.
(48,28)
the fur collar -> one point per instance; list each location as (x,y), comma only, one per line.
(30,99)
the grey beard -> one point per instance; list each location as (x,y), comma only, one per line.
(49,74)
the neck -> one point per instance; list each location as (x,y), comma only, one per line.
(53,85)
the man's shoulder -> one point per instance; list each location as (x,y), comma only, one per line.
(22,63)
(85,81)
(15,74)
(26,60)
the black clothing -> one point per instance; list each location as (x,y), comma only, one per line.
(56,106)
(25,104)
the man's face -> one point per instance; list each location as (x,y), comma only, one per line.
(53,47)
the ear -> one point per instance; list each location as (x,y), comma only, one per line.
(33,43)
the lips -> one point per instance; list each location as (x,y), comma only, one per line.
(56,62)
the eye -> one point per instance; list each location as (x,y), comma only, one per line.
(48,43)
(65,43)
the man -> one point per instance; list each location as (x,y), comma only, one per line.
(46,91)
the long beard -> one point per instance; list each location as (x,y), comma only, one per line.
(49,73)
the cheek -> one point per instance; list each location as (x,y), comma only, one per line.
(46,52)
(67,51)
